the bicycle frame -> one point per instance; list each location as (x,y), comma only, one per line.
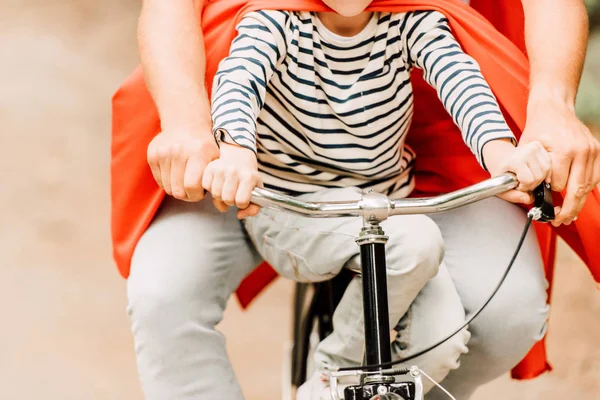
(375,208)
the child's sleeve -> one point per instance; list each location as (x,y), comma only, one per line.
(430,45)
(240,84)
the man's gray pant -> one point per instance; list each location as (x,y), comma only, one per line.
(192,258)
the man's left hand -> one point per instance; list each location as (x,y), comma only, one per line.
(574,151)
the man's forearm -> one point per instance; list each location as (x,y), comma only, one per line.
(172,55)
(556,33)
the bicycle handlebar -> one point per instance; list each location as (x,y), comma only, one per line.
(378,207)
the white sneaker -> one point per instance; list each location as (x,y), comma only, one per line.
(317,387)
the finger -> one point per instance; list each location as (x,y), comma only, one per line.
(177,174)
(595,160)
(537,171)
(164,162)
(525,178)
(561,167)
(152,158)
(208,177)
(217,185)
(576,192)
(554,222)
(230,188)
(219,205)
(192,180)
(589,170)
(244,193)
(596,167)
(545,162)
(518,197)
(250,211)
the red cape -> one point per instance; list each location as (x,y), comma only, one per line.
(444,163)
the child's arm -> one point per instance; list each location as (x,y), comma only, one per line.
(240,85)
(239,92)
(468,98)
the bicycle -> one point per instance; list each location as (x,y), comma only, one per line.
(378,376)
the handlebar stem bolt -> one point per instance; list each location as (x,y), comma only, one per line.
(375,207)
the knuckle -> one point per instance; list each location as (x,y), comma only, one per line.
(527,180)
(242,203)
(255,176)
(536,147)
(151,154)
(230,172)
(174,150)
(179,194)
(582,149)
(571,151)
(581,191)
(192,185)
(163,153)
(218,170)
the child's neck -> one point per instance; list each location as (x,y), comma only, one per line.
(345,26)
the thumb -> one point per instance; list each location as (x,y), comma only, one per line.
(249,211)
(192,178)
(515,196)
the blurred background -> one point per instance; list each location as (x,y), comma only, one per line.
(64,332)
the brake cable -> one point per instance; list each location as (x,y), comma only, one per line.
(543,211)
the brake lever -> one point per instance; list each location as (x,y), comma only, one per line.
(543,205)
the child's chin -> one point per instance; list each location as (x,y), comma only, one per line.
(350,12)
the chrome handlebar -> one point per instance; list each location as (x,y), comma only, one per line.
(374,207)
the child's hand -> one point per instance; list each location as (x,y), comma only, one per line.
(529,162)
(231,178)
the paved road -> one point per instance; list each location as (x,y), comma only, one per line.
(64,332)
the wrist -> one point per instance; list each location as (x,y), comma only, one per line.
(234,148)
(543,93)
(189,112)
(495,152)
(196,126)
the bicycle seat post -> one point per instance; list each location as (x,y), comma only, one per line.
(372,242)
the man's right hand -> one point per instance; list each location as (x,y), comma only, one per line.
(178,161)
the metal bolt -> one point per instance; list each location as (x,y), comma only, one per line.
(382,390)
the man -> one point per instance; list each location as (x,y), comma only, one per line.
(172,54)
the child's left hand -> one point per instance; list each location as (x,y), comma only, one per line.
(530,162)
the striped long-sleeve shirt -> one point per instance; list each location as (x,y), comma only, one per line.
(324,111)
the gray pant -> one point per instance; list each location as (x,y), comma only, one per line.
(192,258)
(313,250)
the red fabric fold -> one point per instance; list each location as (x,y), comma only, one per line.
(444,163)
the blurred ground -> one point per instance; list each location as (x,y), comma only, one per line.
(64,332)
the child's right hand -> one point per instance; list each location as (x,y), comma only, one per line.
(530,162)
(231,178)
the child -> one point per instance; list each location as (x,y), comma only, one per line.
(318,105)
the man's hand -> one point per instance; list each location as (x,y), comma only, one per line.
(530,163)
(178,162)
(231,178)
(574,151)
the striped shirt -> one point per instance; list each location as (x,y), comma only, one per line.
(325,111)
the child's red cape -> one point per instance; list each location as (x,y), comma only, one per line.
(444,163)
